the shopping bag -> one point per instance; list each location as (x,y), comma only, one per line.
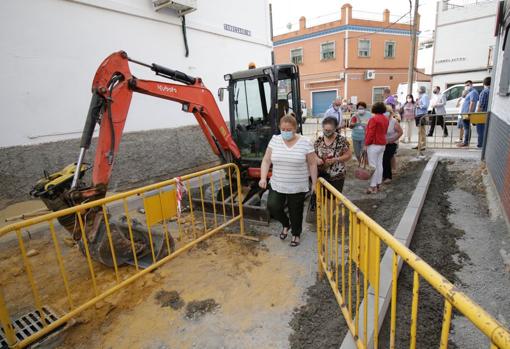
(364,171)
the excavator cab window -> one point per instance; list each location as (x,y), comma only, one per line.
(258,98)
(252,130)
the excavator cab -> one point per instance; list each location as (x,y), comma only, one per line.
(258,98)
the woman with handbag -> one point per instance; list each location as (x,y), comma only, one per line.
(375,142)
(294,162)
(333,151)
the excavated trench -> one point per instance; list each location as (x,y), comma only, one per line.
(234,293)
(457,235)
(319,323)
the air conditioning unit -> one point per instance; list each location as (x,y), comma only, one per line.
(341,76)
(183,7)
(369,74)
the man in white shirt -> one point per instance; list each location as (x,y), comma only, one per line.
(335,110)
(437,102)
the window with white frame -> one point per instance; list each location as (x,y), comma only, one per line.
(364,48)
(389,49)
(296,55)
(327,51)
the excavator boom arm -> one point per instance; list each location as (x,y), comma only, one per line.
(112,89)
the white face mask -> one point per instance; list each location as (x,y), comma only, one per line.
(328,133)
(287,135)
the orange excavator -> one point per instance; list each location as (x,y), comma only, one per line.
(258,97)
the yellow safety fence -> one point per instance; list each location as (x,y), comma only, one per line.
(312,128)
(349,254)
(70,279)
(448,130)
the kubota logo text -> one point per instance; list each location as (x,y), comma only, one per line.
(167,89)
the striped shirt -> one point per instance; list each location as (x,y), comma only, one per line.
(290,168)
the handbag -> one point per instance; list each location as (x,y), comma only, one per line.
(364,170)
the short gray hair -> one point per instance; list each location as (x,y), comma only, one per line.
(422,89)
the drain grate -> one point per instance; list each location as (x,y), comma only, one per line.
(30,323)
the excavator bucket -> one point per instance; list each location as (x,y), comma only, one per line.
(253,213)
(148,246)
(215,199)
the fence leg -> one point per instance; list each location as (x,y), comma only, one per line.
(241,214)
(318,210)
(5,321)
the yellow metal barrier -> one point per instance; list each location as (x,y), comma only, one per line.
(156,204)
(349,254)
(313,127)
(446,133)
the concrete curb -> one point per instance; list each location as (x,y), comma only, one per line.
(403,233)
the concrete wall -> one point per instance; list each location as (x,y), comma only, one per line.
(425,58)
(471,29)
(143,158)
(51,49)
(497,149)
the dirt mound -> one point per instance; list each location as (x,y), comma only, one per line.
(169,299)
(434,240)
(318,323)
(196,309)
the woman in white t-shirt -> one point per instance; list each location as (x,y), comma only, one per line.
(294,161)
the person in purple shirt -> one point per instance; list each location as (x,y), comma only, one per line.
(388,98)
(468,106)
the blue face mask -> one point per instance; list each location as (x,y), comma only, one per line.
(387,114)
(287,135)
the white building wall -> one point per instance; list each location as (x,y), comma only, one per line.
(425,58)
(462,39)
(500,104)
(51,49)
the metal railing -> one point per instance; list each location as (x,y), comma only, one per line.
(313,126)
(349,249)
(456,4)
(167,231)
(445,129)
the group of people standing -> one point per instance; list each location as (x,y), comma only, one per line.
(375,134)
(431,110)
(472,101)
(294,160)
